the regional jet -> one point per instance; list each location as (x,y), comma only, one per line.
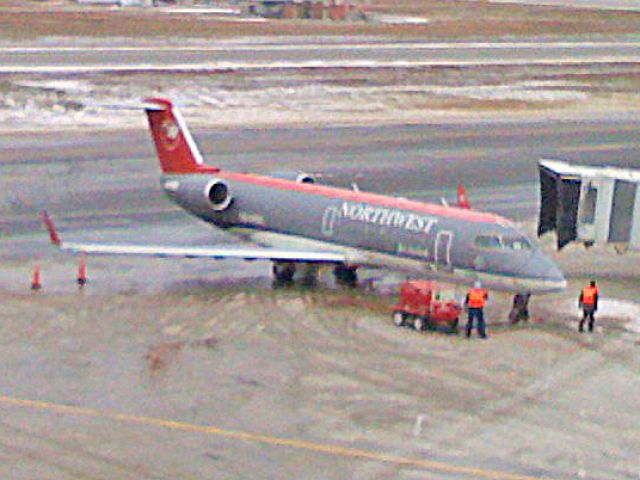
(299,224)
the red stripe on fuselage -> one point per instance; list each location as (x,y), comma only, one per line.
(366,198)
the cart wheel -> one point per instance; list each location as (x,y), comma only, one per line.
(419,324)
(454,326)
(399,319)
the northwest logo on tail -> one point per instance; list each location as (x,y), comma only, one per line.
(171,134)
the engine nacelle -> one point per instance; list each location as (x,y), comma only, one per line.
(301,177)
(217,192)
(202,195)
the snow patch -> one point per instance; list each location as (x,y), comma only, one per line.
(67,86)
(622,310)
(525,92)
(626,312)
(239,98)
(397,19)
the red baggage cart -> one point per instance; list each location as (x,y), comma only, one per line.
(426,305)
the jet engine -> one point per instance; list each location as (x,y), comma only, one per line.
(305,178)
(301,177)
(200,195)
(217,193)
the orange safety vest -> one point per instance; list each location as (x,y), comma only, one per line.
(477,297)
(589,295)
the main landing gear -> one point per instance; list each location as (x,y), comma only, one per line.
(284,273)
(346,275)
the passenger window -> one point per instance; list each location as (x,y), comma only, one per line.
(517,243)
(488,241)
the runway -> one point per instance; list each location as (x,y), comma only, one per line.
(58,59)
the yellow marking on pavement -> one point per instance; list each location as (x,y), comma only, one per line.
(328,449)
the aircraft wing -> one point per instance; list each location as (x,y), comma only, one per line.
(217,253)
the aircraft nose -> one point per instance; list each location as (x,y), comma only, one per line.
(542,268)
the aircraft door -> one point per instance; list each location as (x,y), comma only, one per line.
(442,250)
(329,221)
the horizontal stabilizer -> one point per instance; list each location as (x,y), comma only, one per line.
(126,106)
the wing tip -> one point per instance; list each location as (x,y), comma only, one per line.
(463,198)
(51,228)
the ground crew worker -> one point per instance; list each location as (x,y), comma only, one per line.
(475,302)
(588,302)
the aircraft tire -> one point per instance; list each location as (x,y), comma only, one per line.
(310,275)
(283,272)
(309,281)
(399,318)
(346,275)
(453,326)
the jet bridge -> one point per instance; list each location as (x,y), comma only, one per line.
(591,205)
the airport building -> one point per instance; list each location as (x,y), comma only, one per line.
(335,10)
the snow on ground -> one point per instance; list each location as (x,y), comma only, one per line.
(625,313)
(397,19)
(239,98)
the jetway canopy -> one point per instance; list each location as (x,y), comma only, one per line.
(592,205)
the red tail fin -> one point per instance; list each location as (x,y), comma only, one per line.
(177,151)
(463,199)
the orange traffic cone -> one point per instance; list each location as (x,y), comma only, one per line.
(35,281)
(82,273)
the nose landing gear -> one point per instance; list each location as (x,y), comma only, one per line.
(520,310)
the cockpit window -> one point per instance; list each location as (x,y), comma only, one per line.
(488,241)
(496,242)
(516,243)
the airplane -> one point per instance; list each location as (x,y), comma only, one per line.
(299,224)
